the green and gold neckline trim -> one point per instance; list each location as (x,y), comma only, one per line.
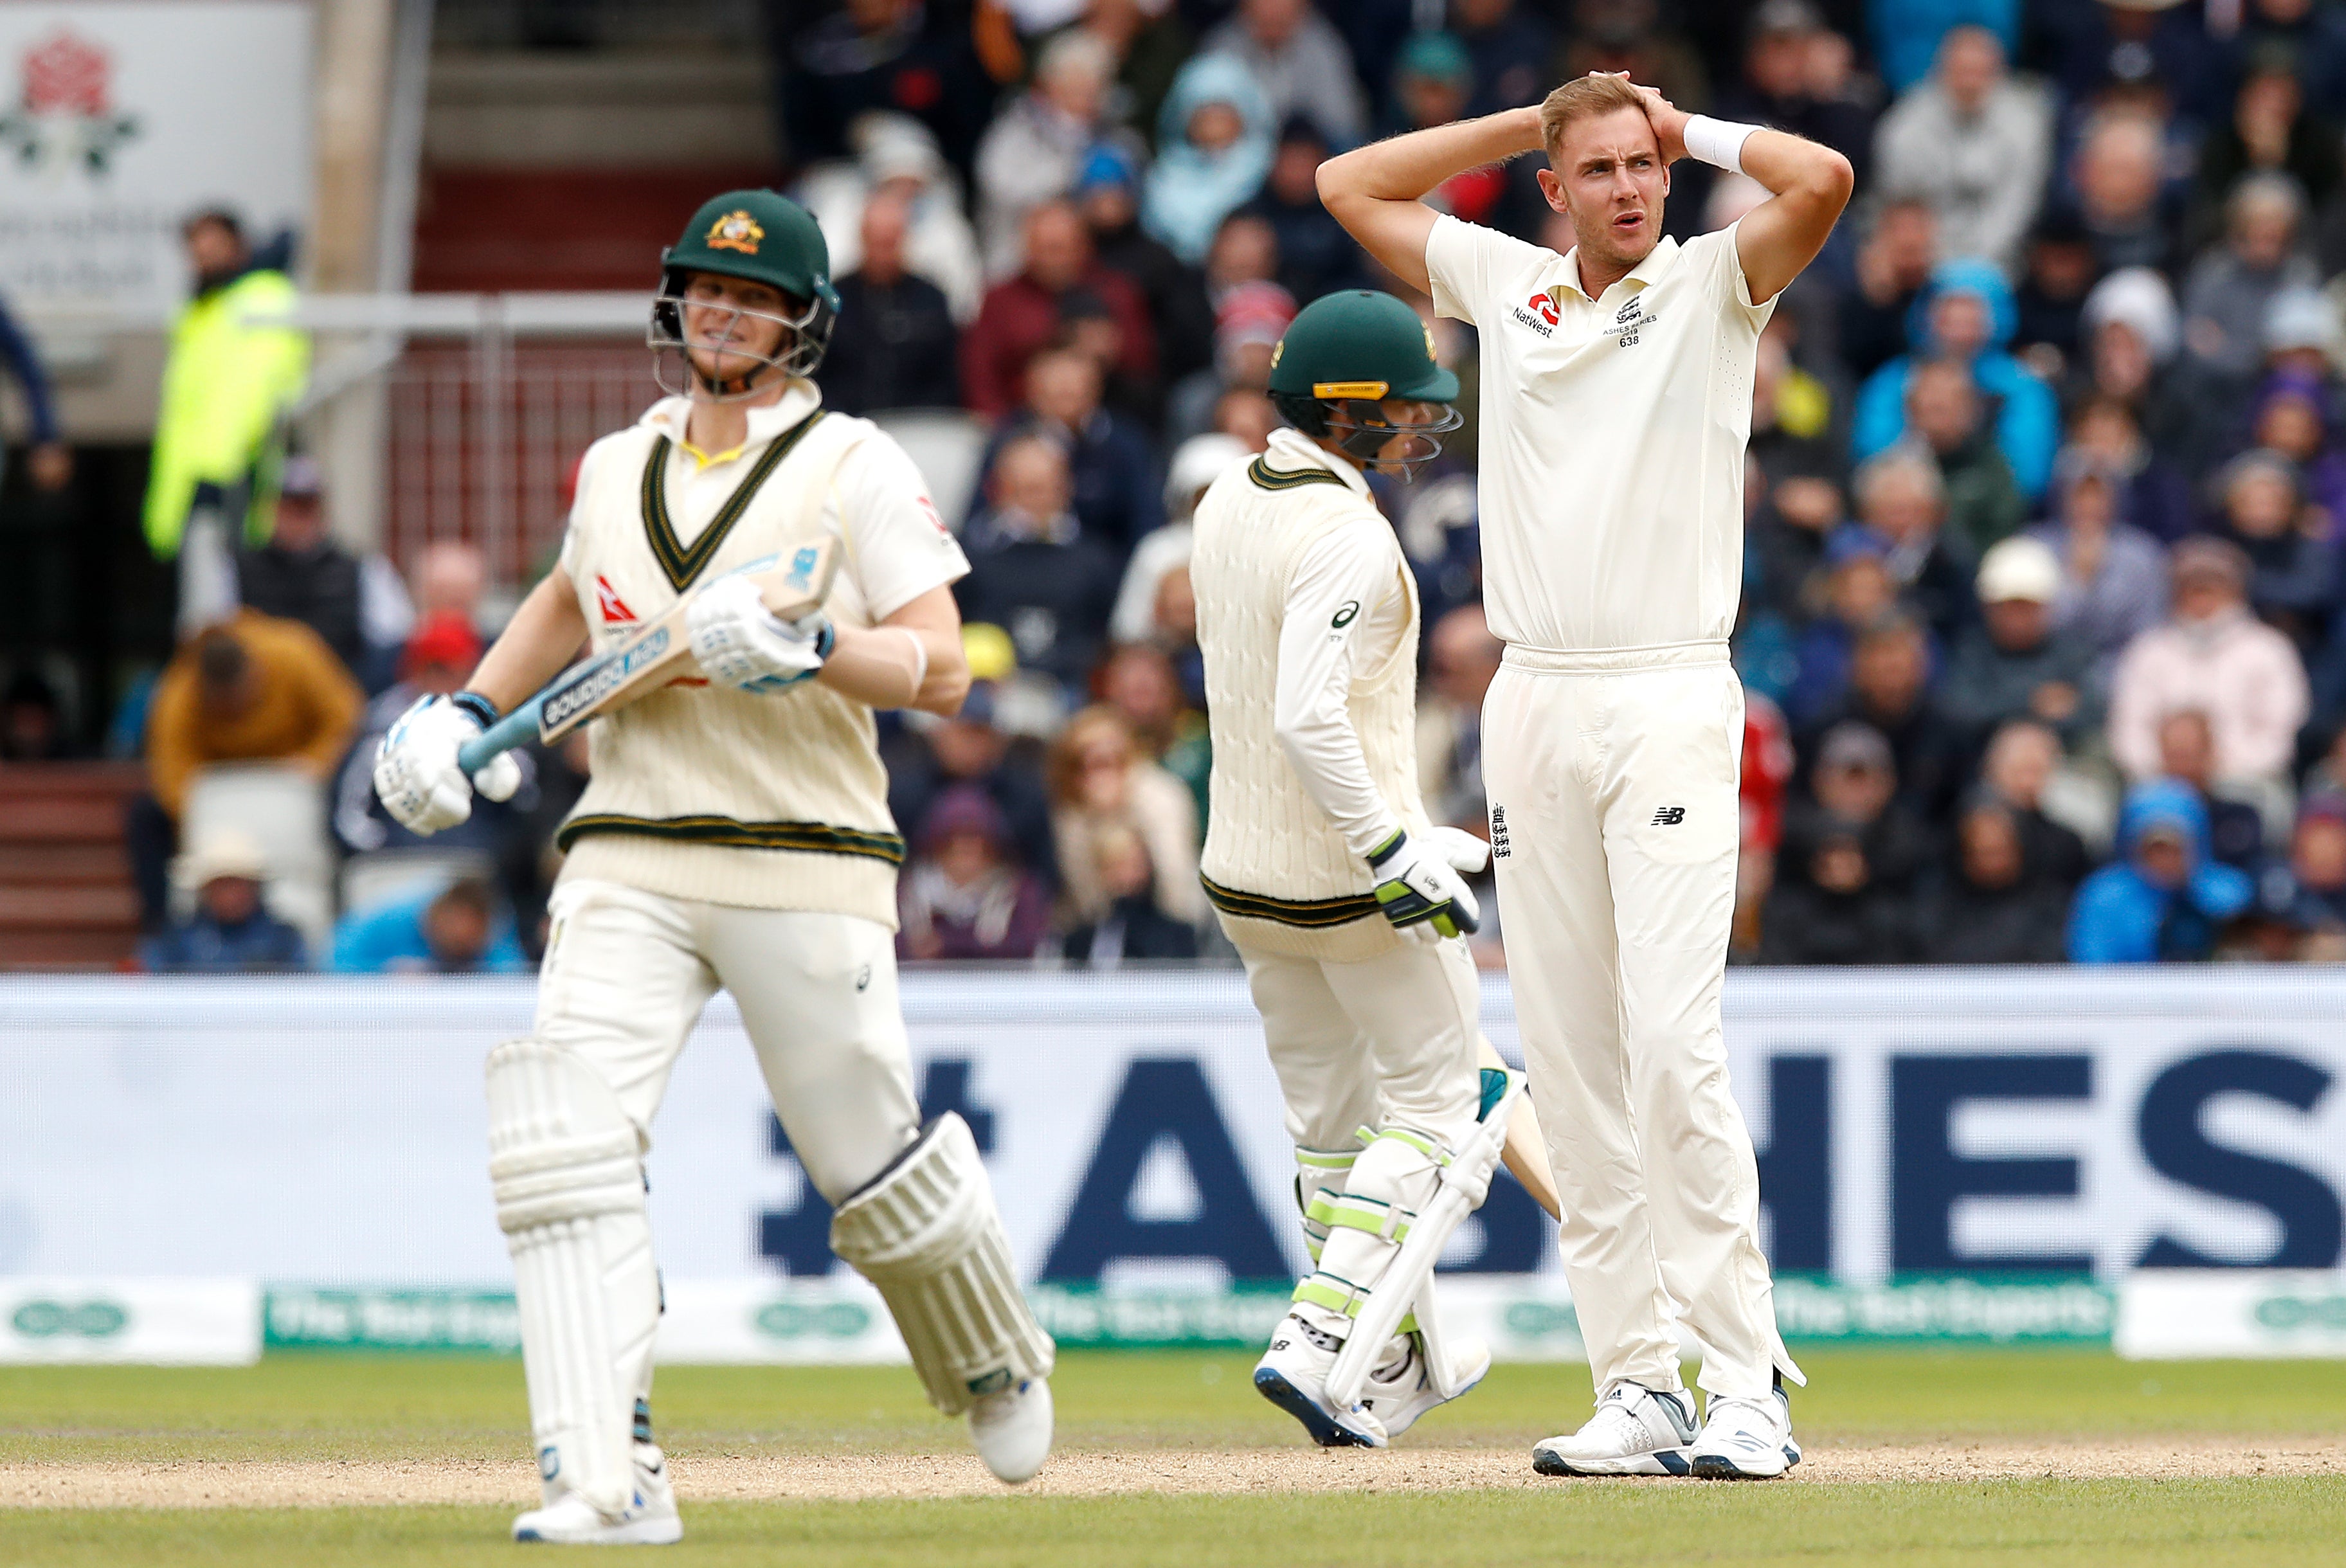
(1270,478)
(683,562)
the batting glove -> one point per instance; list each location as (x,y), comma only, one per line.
(1461,849)
(741,644)
(415,772)
(1419,891)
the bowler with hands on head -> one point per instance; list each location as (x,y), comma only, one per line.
(1615,413)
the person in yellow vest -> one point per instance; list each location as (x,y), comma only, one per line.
(1345,901)
(227,385)
(734,834)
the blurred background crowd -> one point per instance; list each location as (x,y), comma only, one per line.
(2044,626)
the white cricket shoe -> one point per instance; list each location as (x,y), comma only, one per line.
(1635,1431)
(1294,1375)
(1011,1430)
(1403,1389)
(1746,1440)
(649,1519)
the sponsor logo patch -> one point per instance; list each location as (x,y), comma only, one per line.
(1670,816)
(1498,832)
(600,679)
(607,599)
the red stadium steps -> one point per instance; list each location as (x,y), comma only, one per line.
(65,897)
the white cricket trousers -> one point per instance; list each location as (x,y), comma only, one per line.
(1386,1042)
(1615,812)
(628,972)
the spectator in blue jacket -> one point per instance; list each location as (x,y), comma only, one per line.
(2164,900)
(1906,33)
(454,929)
(230,931)
(1967,314)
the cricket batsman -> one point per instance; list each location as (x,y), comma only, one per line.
(1345,903)
(1615,406)
(734,834)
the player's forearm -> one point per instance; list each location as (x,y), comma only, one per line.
(1809,183)
(1327,757)
(898,666)
(1404,167)
(1791,166)
(543,637)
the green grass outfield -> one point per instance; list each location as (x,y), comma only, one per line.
(408,1408)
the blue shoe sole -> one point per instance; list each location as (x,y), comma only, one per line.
(1297,1403)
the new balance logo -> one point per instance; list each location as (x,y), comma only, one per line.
(1669,817)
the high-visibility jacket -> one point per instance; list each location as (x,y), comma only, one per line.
(224,386)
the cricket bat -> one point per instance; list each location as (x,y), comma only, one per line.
(650,659)
(1526,1149)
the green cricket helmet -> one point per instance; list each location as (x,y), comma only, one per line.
(1343,356)
(767,238)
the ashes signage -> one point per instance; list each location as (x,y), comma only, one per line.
(118,118)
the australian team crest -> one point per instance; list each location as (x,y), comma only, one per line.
(736,231)
(64,114)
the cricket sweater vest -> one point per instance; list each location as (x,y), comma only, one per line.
(1276,870)
(700,791)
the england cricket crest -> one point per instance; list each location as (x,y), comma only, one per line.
(64,115)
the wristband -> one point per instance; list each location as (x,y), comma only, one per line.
(1716,142)
(920,659)
(1389,848)
(483,710)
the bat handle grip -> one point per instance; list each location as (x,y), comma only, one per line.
(502,737)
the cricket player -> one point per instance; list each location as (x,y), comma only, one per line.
(1345,903)
(734,834)
(1615,404)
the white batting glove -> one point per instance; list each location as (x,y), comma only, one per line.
(1419,893)
(1461,849)
(741,644)
(415,772)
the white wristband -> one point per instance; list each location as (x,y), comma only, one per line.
(919,670)
(1716,142)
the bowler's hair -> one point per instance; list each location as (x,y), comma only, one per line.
(1584,97)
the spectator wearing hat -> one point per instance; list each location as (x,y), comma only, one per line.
(1992,906)
(452,929)
(1132,926)
(1972,142)
(2231,288)
(301,574)
(895,345)
(2291,546)
(1844,872)
(1037,142)
(1024,313)
(1035,571)
(2211,655)
(2187,755)
(1215,140)
(1510,44)
(1297,62)
(2164,900)
(1108,193)
(254,688)
(1966,316)
(2130,353)
(964,895)
(2293,418)
(230,930)
(2057,273)
(1948,422)
(2013,664)
(2114,576)
(1250,318)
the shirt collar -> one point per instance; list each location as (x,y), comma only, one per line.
(670,414)
(1645,274)
(1291,449)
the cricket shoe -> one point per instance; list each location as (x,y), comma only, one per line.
(1746,1440)
(1011,1430)
(1402,1389)
(648,1519)
(1294,1375)
(1635,1431)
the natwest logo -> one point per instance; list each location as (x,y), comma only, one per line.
(1545,305)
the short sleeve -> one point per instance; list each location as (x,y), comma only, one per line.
(1466,263)
(578,492)
(1729,283)
(898,548)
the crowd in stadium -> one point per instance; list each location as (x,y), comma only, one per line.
(2045,615)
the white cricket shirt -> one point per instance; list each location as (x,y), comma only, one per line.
(1612,440)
